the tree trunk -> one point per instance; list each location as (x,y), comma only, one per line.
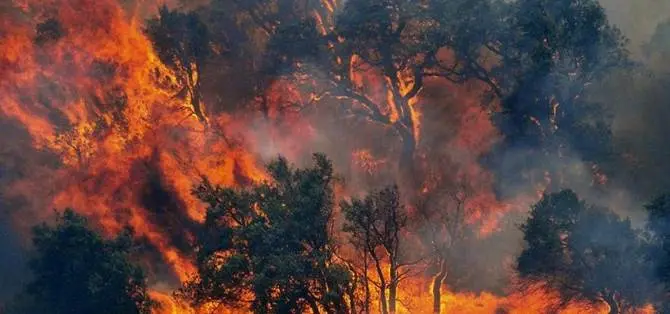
(393,287)
(382,281)
(406,162)
(611,301)
(382,299)
(437,285)
(313,305)
(366,283)
(196,102)
(194,89)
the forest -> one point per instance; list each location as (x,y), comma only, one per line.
(332,156)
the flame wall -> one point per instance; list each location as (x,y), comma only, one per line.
(92,121)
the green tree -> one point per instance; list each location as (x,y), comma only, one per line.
(585,253)
(182,42)
(75,270)
(270,244)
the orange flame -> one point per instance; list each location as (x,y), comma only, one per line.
(85,83)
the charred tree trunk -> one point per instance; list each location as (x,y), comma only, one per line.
(194,91)
(382,299)
(406,162)
(437,285)
(352,300)
(393,287)
(366,283)
(610,299)
(382,282)
(196,102)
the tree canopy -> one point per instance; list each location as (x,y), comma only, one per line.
(585,252)
(269,244)
(182,42)
(77,271)
(374,226)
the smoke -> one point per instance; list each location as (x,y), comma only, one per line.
(456,134)
(637,19)
(639,100)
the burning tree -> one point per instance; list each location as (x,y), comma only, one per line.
(551,52)
(374,225)
(375,59)
(182,42)
(444,212)
(77,271)
(270,244)
(270,247)
(585,252)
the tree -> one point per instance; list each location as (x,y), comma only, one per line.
(550,52)
(443,210)
(584,252)
(659,226)
(374,225)
(75,270)
(270,244)
(240,30)
(375,59)
(182,43)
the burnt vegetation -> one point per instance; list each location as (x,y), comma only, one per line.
(291,244)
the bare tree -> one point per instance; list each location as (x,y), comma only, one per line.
(374,225)
(443,210)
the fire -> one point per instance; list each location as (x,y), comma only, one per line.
(414,297)
(85,83)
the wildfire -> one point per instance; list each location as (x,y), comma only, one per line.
(85,83)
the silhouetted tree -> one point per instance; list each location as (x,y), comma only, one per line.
(182,43)
(550,52)
(270,244)
(376,57)
(75,271)
(374,225)
(659,226)
(240,31)
(444,211)
(585,252)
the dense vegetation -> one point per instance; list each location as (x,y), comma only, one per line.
(286,246)
(269,248)
(76,270)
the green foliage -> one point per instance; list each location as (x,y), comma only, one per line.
(270,243)
(585,252)
(75,270)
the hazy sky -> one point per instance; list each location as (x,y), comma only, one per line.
(637,18)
